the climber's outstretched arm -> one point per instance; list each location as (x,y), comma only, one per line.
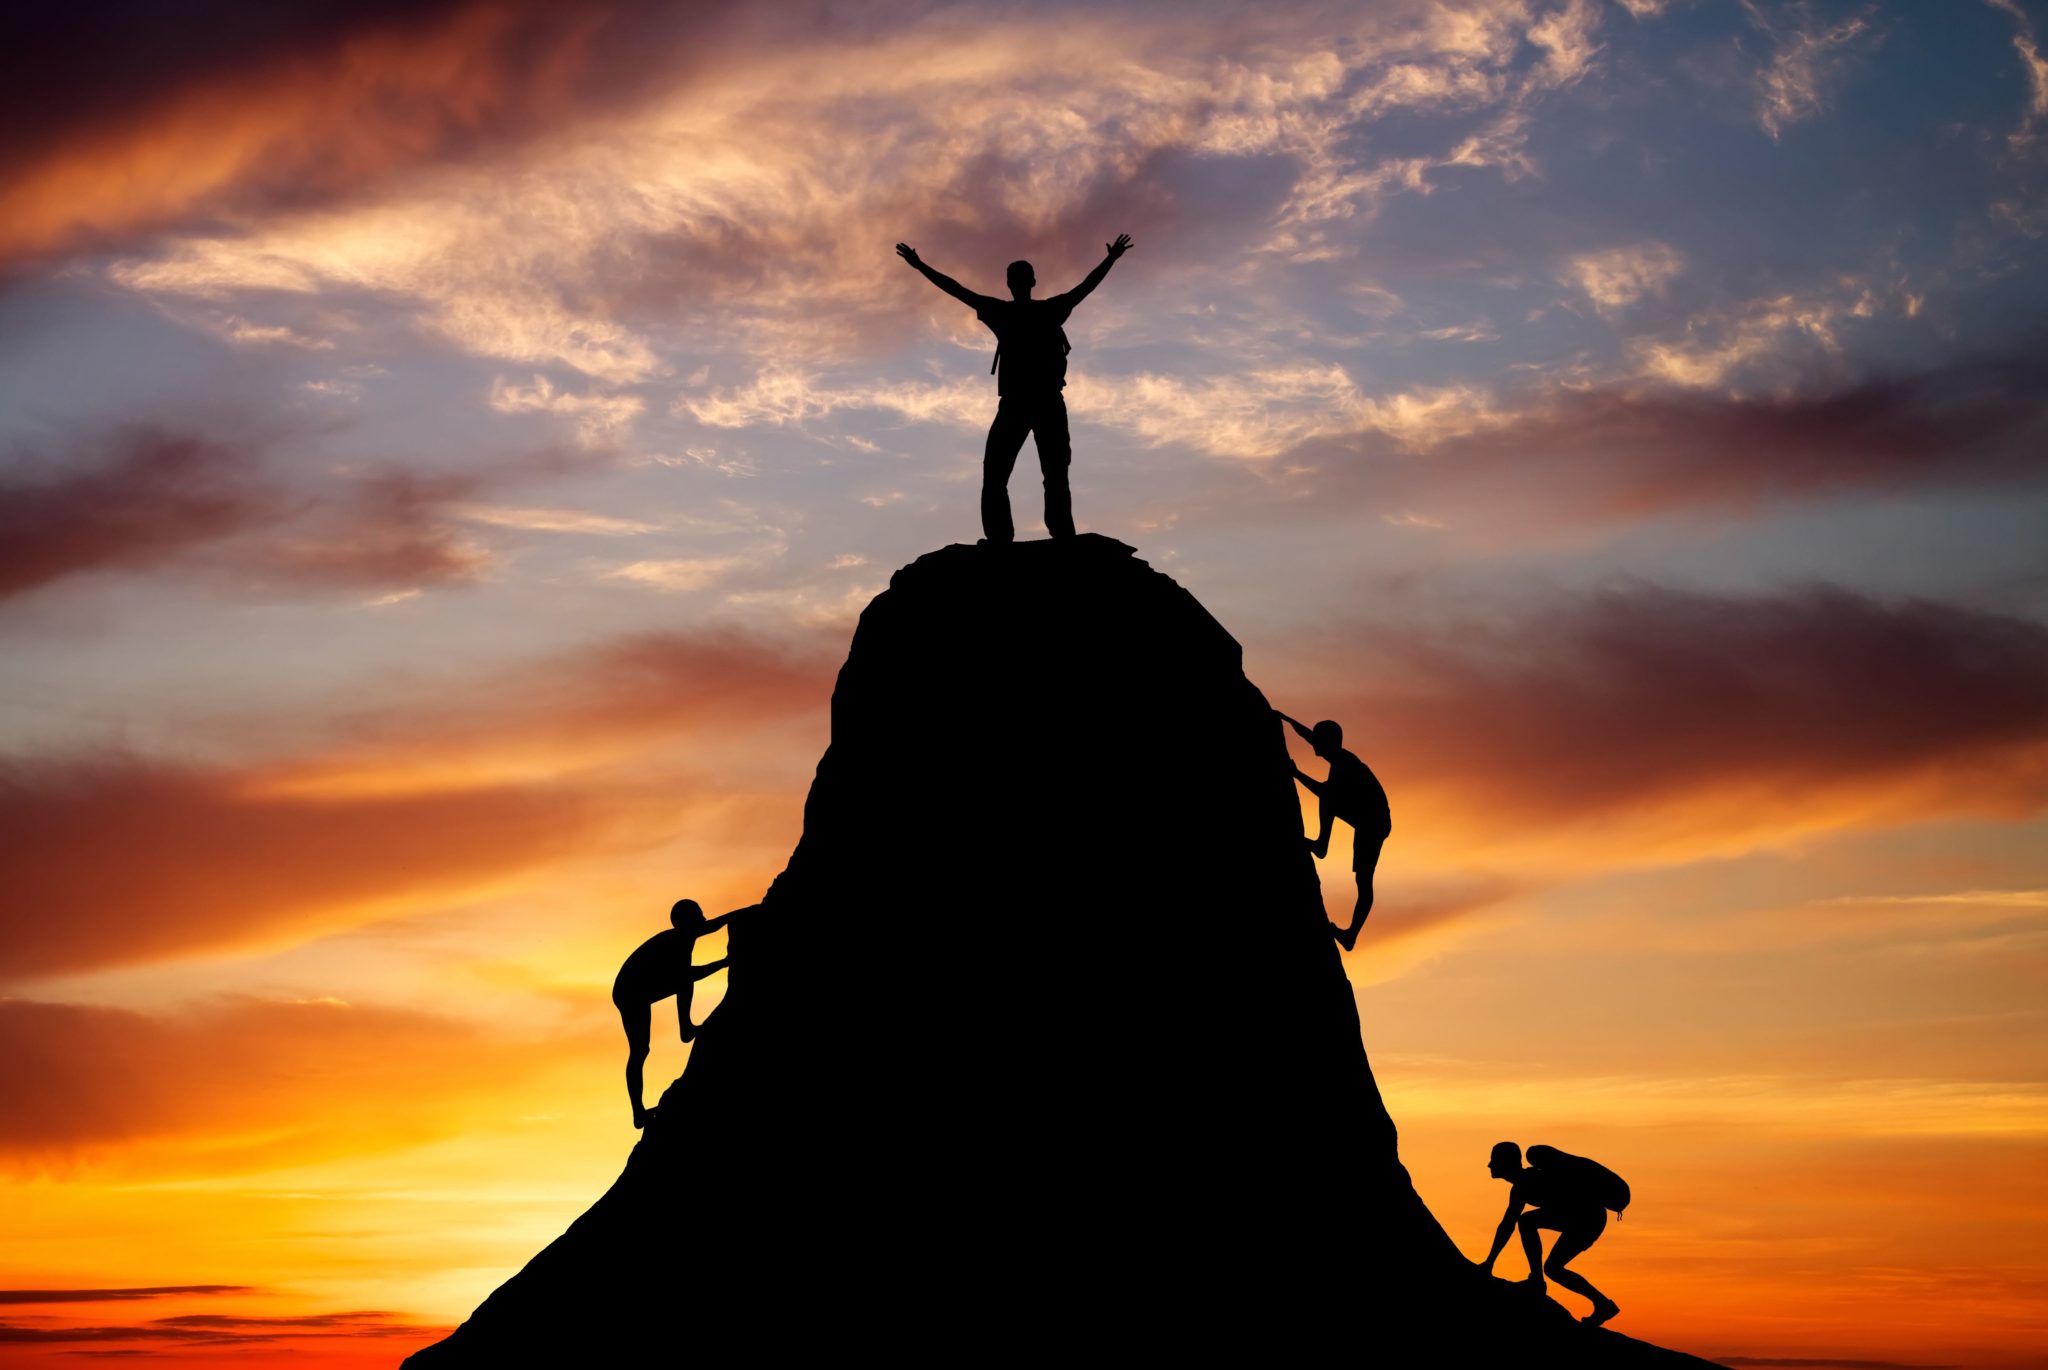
(699,972)
(940,279)
(714,924)
(1506,1229)
(1094,278)
(1313,785)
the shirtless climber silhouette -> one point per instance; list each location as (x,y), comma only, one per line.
(1031,370)
(1353,793)
(1568,1198)
(658,968)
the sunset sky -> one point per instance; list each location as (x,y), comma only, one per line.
(444,449)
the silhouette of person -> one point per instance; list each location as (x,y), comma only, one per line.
(1031,370)
(1353,793)
(658,968)
(1577,1218)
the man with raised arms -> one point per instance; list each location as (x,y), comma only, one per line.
(1031,370)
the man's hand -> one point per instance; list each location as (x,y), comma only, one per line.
(908,254)
(1115,249)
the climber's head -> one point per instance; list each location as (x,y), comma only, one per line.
(1506,1161)
(1022,278)
(686,913)
(1327,738)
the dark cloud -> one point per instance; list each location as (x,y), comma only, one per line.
(391,530)
(137,499)
(113,859)
(146,497)
(1640,694)
(117,1295)
(250,1080)
(100,69)
(1619,453)
(220,1331)
(374,1321)
(408,805)
(616,696)
(225,105)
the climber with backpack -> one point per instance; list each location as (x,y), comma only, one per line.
(1566,1194)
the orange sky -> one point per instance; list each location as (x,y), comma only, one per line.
(444,447)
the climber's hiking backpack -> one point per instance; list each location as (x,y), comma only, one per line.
(1586,1177)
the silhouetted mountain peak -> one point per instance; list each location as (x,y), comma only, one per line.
(1040,1036)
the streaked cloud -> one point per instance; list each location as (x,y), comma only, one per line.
(2000,899)
(390,528)
(121,128)
(716,200)
(117,1295)
(189,838)
(556,521)
(674,574)
(1622,451)
(552,717)
(82,1078)
(1681,724)
(144,496)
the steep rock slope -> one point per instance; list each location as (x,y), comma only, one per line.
(1040,1040)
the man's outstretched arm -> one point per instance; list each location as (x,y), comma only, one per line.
(1115,250)
(940,278)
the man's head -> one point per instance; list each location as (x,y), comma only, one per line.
(686,913)
(1506,1161)
(1327,738)
(1022,278)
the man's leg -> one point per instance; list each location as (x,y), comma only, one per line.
(1055,455)
(638,1020)
(1364,861)
(998,459)
(1573,1237)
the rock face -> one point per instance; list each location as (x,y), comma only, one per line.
(1040,1041)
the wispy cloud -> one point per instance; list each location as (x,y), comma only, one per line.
(599,419)
(556,521)
(2027,45)
(1809,56)
(1617,277)
(675,574)
(2003,899)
